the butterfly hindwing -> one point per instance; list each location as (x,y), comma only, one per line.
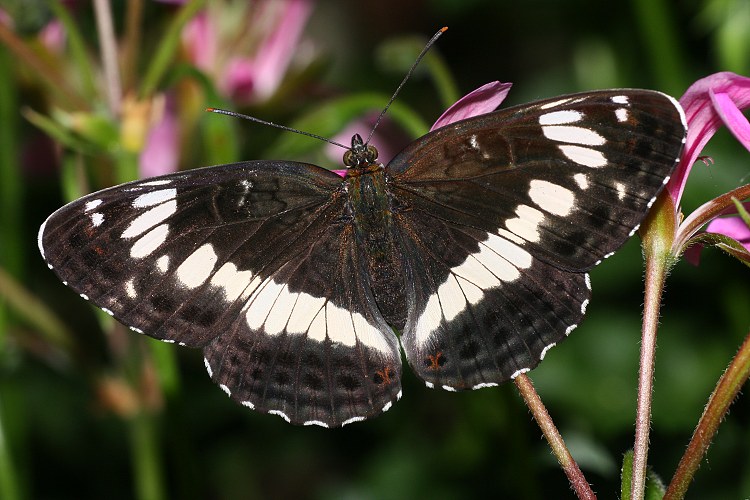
(240,260)
(506,213)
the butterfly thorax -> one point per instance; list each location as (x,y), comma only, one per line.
(371,208)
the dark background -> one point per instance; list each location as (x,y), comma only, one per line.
(64,437)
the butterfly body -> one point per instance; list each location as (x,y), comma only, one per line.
(473,243)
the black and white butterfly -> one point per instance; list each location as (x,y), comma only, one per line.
(470,249)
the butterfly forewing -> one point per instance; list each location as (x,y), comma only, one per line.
(539,194)
(475,241)
(250,261)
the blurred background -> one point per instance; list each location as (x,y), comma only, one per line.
(90,410)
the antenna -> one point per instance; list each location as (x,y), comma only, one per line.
(408,74)
(430,43)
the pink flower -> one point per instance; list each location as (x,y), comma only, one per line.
(710,103)
(249,66)
(160,154)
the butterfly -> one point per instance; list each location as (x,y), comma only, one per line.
(469,251)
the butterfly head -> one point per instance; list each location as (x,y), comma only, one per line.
(360,154)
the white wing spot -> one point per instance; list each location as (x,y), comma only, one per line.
(551,197)
(519,372)
(588,281)
(90,205)
(278,315)
(146,244)
(154,198)
(225,389)
(554,103)
(621,114)
(451,298)
(261,303)
(582,180)
(621,192)
(162,263)
(429,385)
(584,305)
(149,219)
(352,420)
(97,218)
(340,325)
(303,313)
(316,422)
(280,414)
(158,182)
(560,117)
(136,330)
(484,385)
(197,267)
(449,388)
(84,296)
(208,368)
(544,351)
(573,135)
(620,99)
(108,311)
(387,406)
(130,289)
(510,236)
(369,335)
(526,225)
(248,404)
(584,156)
(40,236)
(570,329)
(232,281)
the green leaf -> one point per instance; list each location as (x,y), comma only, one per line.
(728,245)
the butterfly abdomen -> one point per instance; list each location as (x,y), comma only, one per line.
(371,207)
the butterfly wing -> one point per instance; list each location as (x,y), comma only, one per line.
(506,214)
(240,260)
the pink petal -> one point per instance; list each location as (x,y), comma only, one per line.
(53,36)
(732,117)
(200,39)
(239,79)
(160,154)
(483,100)
(704,119)
(734,227)
(265,71)
(342,173)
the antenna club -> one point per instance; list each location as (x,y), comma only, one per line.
(443,29)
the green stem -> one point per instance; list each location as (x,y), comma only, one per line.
(658,232)
(725,392)
(655,277)
(555,440)
(146,461)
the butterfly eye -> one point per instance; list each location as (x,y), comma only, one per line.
(372,154)
(349,159)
